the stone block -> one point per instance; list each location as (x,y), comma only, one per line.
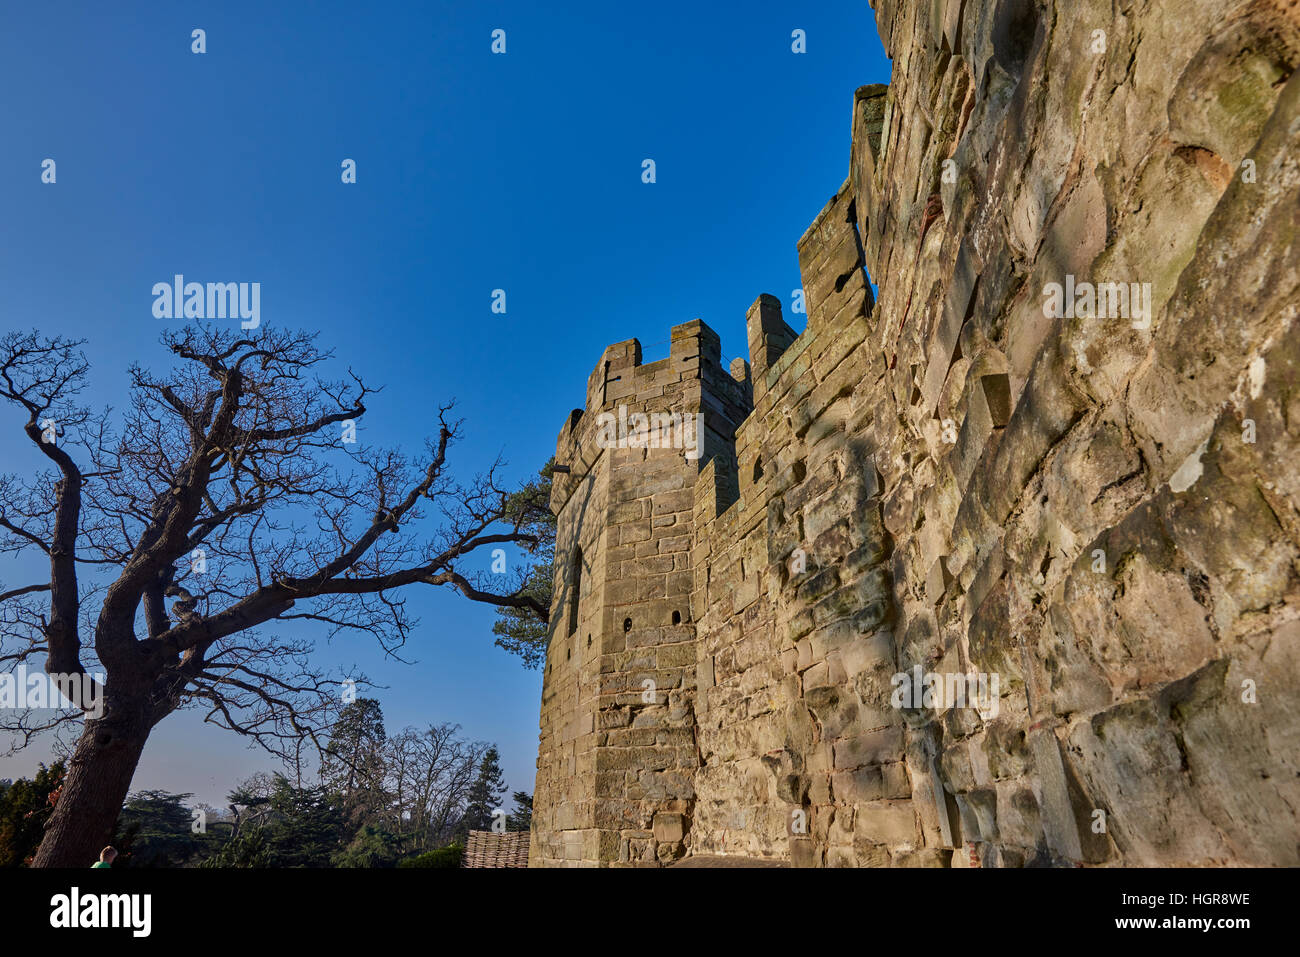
(668,828)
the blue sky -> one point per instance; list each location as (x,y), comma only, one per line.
(475,172)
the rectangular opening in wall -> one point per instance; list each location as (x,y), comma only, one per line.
(575,589)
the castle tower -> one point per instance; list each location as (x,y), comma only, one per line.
(617,748)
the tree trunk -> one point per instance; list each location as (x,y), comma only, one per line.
(99,776)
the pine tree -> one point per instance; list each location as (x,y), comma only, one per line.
(524,631)
(522,818)
(485,793)
(25,806)
(354,761)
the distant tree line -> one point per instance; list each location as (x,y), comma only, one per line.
(380,800)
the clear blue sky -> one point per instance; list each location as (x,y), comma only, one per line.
(474,172)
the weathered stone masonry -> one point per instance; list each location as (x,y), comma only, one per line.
(1102,513)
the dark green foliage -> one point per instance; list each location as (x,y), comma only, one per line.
(522,817)
(247,849)
(156,829)
(449,856)
(25,806)
(484,794)
(519,631)
(354,759)
(370,847)
(290,826)
(522,631)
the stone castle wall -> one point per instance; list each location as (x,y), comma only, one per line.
(617,759)
(1101,512)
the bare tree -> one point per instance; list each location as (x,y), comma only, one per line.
(430,773)
(226,487)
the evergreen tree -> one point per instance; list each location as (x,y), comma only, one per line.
(519,630)
(248,850)
(484,794)
(156,829)
(522,818)
(290,826)
(354,760)
(25,806)
(370,847)
(524,631)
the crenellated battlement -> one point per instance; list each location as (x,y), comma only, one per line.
(633,397)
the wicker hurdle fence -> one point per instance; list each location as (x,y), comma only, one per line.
(490,849)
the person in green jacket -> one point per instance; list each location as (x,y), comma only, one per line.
(106,858)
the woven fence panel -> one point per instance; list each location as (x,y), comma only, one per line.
(488,849)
